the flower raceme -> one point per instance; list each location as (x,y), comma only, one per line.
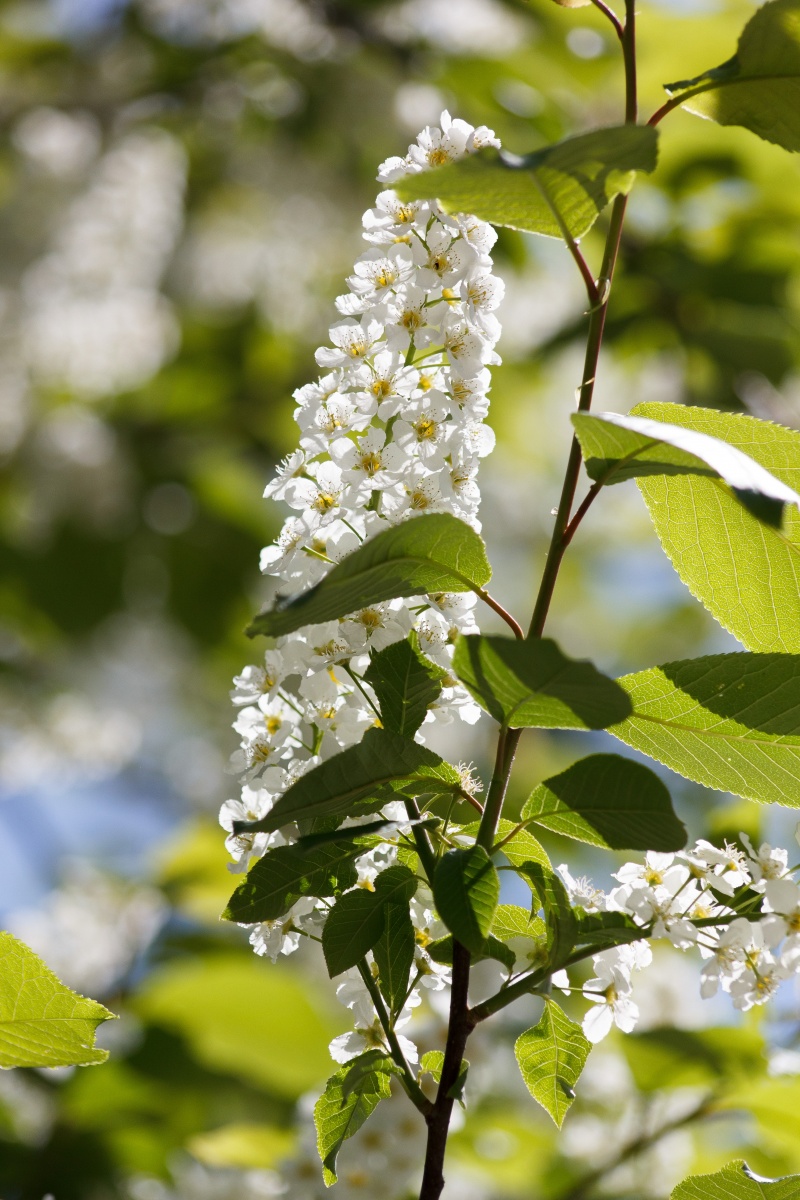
(394,427)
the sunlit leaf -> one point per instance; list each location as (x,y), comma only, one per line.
(744,572)
(532,683)
(759,87)
(616,448)
(737,1182)
(551,1057)
(729,721)
(608,801)
(433,553)
(43,1023)
(431,1064)
(567,184)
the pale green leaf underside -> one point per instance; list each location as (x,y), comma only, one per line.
(759,88)
(513,921)
(551,1057)
(356,777)
(616,448)
(608,801)
(729,721)
(43,1023)
(433,553)
(574,179)
(532,683)
(737,1182)
(745,572)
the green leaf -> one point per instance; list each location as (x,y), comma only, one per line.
(520,849)
(441,951)
(433,553)
(551,1057)
(729,721)
(466,888)
(406,684)
(283,875)
(604,929)
(358,778)
(561,919)
(565,185)
(372,1060)
(431,1064)
(43,1023)
(394,955)
(339,1114)
(608,801)
(616,448)
(744,572)
(511,921)
(532,683)
(737,1182)
(354,925)
(759,87)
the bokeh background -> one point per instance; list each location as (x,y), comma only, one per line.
(182,183)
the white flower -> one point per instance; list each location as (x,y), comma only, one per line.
(610,991)
(765,863)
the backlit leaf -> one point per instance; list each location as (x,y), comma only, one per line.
(609,801)
(737,1182)
(339,1114)
(729,721)
(43,1023)
(616,448)
(551,1057)
(533,683)
(568,183)
(744,572)
(759,87)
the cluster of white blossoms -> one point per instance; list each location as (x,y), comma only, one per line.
(394,428)
(740,909)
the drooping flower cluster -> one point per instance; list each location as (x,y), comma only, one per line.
(392,429)
(739,908)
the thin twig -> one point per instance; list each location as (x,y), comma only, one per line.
(613,18)
(498,608)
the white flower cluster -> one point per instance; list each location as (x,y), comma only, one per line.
(694,900)
(393,429)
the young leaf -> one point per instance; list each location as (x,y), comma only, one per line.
(608,801)
(744,572)
(283,875)
(338,1114)
(533,683)
(567,184)
(406,684)
(354,925)
(512,921)
(394,954)
(729,721)
(361,777)
(466,888)
(759,87)
(43,1023)
(737,1182)
(431,1064)
(551,1057)
(432,553)
(616,448)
